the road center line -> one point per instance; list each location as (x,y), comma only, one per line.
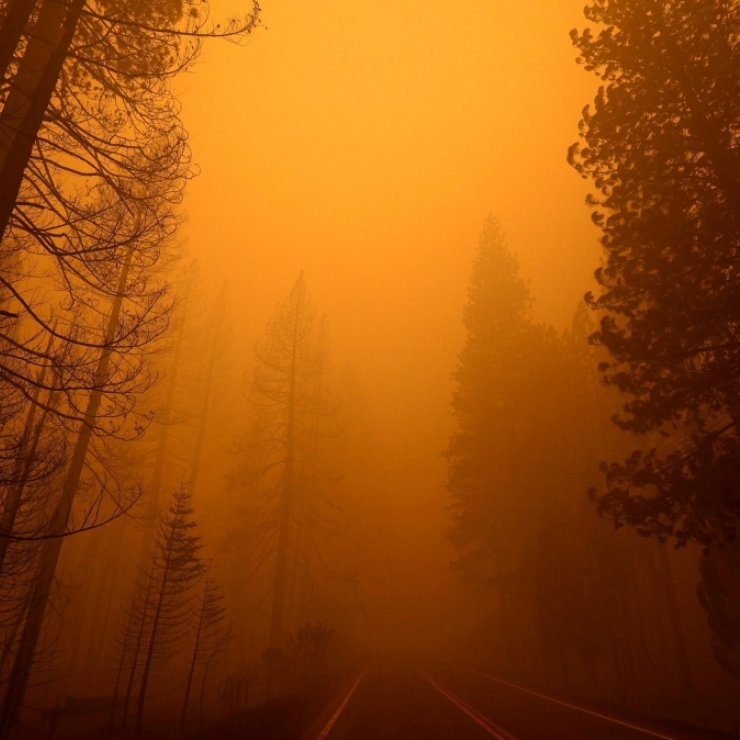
(330,724)
(573,706)
(485,722)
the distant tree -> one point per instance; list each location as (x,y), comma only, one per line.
(209,640)
(217,337)
(278,452)
(660,144)
(308,646)
(490,405)
(176,567)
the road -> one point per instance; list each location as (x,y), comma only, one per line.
(395,700)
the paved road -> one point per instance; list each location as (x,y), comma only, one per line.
(397,701)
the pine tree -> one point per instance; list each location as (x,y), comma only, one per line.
(209,640)
(174,571)
(660,146)
(279,392)
(490,404)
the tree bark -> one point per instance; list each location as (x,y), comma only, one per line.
(29,96)
(11,30)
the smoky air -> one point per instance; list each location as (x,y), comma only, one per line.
(369,371)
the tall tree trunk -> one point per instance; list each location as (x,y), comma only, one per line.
(104,600)
(207,390)
(137,650)
(159,460)
(153,636)
(11,30)
(193,662)
(674,616)
(286,499)
(52,546)
(29,96)
(119,674)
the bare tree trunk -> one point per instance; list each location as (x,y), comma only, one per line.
(286,501)
(137,650)
(203,416)
(196,648)
(29,96)
(119,674)
(164,430)
(153,637)
(11,30)
(52,547)
(106,592)
(674,616)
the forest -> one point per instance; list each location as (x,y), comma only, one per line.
(320,387)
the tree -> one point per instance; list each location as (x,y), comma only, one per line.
(276,448)
(719,593)
(210,639)
(309,646)
(660,146)
(60,522)
(175,569)
(491,406)
(93,157)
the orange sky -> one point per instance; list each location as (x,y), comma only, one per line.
(365,142)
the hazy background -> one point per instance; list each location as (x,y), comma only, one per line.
(364,143)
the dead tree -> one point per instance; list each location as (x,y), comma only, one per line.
(210,638)
(176,568)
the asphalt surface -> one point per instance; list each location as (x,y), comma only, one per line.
(397,700)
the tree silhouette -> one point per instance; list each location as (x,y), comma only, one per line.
(660,146)
(491,404)
(175,569)
(210,639)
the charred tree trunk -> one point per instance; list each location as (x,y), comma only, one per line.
(194,660)
(159,460)
(29,96)
(153,637)
(52,547)
(286,501)
(11,30)
(137,651)
(207,391)
(674,616)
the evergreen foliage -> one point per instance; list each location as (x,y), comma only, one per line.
(660,145)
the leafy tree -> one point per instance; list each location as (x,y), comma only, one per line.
(660,145)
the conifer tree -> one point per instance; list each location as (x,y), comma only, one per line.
(209,639)
(176,567)
(279,391)
(660,146)
(490,405)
